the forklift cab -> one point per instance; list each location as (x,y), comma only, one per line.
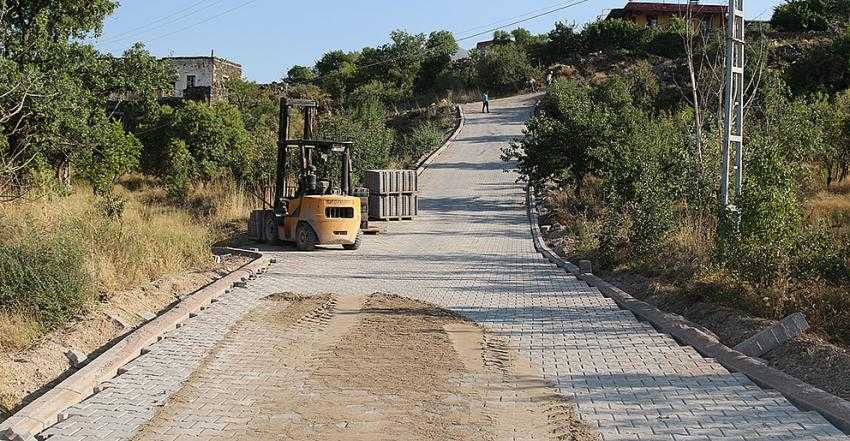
(315,174)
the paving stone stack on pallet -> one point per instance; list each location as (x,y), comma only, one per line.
(393,194)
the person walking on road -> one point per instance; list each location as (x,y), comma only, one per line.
(549,79)
(532,84)
(485,106)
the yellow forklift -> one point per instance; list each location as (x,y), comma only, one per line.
(314,202)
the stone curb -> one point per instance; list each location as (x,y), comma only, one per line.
(423,165)
(807,397)
(48,409)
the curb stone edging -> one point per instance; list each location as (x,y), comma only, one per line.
(807,397)
(48,409)
(430,157)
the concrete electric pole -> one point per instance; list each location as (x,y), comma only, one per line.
(734,102)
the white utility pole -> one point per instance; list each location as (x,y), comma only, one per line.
(734,102)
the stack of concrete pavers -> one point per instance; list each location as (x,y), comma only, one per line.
(393,194)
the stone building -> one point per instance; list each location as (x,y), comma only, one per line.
(202,78)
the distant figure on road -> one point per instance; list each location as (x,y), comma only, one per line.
(532,84)
(549,79)
(485,106)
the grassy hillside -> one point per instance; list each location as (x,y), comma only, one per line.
(61,254)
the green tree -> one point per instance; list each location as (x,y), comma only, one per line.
(336,71)
(59,87)
(811,15)
(300,75)
(502,37)
(259,108)
(504,68)
(435,73)
(214,134)
(115,154)
(616,34)
(396,64)
(563,44)
(365,125)
(558,144)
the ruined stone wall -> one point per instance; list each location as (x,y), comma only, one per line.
(223,71)
(208,71)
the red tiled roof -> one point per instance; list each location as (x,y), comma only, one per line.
(678,8)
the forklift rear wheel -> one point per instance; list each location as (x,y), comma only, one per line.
(270,229)
(356,243)
(305,238)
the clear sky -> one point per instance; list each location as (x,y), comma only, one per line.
(267,37)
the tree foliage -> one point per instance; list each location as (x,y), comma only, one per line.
(55,111)
(503,68)
(811,15)
(215,137)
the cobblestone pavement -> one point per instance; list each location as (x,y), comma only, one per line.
(471,251)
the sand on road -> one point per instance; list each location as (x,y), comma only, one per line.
(377,367)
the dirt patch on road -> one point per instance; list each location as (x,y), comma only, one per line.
(365,368)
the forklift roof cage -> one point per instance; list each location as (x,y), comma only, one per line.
(307,146)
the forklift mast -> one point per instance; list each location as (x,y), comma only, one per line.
(307,147)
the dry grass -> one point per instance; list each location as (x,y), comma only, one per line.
(17,331)
(827,204)
(689,246)
(151,239)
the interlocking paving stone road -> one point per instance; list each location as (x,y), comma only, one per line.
(471,251)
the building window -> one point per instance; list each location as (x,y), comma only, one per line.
(652,21)
(190,81)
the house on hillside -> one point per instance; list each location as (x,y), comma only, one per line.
(652,14)
(202,78)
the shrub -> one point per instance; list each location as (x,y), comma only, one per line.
(421,140)
(112,205)
(116,154)
(667,42)
(832,73)
(617,34)
(44,278)
(178,163)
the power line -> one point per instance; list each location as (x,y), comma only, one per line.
(761,13)
(171,18)
(512,18)
(206,20)
(468,37)
(552,11)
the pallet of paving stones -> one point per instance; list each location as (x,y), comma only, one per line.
(393,207)
(387,182)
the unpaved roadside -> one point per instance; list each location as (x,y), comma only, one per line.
(379,367)
(25,374)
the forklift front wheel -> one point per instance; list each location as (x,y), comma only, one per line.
(305,237)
